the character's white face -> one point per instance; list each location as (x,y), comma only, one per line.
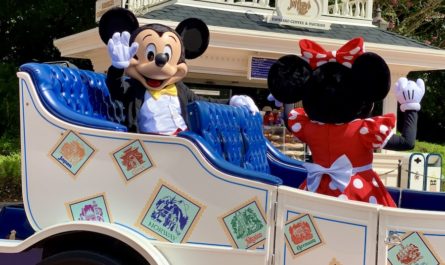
(155,64)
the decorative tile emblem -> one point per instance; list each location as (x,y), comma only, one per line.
(302,234)
(72,152)
(170,214)
(132,160)
(413,249)
(245,225)
(89,209)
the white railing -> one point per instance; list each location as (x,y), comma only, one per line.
(139,5)
(355,9)
(249,3)
(350,9)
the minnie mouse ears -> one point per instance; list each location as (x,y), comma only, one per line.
(288,77)
(116,20)
(316,56)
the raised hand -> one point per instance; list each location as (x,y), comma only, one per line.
(119,50)
(409,93)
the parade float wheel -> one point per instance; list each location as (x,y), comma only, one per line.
(79,257)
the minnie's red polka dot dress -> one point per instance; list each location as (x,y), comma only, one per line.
(355,141)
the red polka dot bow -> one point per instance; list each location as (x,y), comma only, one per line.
(315,55)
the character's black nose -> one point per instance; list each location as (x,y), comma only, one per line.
(161,59)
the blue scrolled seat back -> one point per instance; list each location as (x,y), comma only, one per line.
(80,97)
(232,139)
(233,132)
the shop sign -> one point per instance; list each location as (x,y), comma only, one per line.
(259,67)
(299,13)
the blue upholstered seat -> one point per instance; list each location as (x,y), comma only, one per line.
(80,97)
(232,140)
(233,132)
(422,200)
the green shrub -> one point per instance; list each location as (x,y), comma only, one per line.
(10,177)
(9,145)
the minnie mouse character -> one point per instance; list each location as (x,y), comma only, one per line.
(338,91)
(153,57)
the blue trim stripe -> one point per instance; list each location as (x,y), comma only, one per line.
(154,239)
(23,83)
(425,234)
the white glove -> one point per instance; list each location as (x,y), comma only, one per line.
(240,100)
(272,98)
(120,51)
(409,93)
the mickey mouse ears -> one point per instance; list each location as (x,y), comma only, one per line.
(195,36)
(116,20)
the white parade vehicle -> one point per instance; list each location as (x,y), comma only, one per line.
(217,194)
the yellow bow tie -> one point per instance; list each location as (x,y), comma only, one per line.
(169,90)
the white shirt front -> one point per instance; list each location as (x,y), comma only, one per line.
(162,116)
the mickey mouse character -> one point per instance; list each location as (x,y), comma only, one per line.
(338,91)
(153,57)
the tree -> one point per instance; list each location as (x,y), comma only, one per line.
(27,31)
(29,27)
(432,116)
(422,20)
(9,122)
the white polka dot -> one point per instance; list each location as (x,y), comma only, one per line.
(296,127)
(332,60)
(320,55)
(364,130)
(332,185)
(376,145)
(348,57)
(378,138)
(372,200)
(358,183)
(343,197)
(307,55)
(347,64)
(355,50)
(383,129)
(293,115)
(369,119)
(375,183)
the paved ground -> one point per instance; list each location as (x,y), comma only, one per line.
(30,257)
